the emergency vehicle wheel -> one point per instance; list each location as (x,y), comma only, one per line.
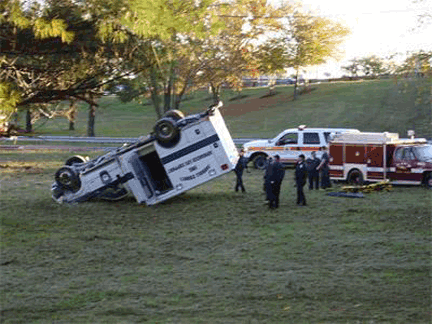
(260,162)
(174,114)
(166,131)
(355,177)
(76,159)
(429,181)
(66,178)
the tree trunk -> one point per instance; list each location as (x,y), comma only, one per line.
(169,89)
(216,92)
(178,97)
(28,121)
(155,92)
(91,121)
(296,85)
(71,115)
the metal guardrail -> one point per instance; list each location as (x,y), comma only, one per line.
(99,140)
(105,140)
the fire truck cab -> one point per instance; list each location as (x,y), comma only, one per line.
(372,157)
(181,153)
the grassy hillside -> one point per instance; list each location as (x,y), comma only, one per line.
(381,105)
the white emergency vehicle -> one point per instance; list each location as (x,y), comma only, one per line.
(290,144)
(181,153)
(374,157)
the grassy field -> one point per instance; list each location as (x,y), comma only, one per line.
(378,105)
(210,255)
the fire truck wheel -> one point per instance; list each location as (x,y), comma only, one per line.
(260,162)
(355,177)
(66,178)
(174,114)
(76,159)
(166,131)
(429,181)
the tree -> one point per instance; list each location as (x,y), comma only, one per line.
(373,66)
(309,40)
(417,64)
(211,57)
(63,50)
(354,68)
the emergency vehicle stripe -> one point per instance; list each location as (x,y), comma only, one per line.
(336,167)
(281,148)
(405,182)
(191,148)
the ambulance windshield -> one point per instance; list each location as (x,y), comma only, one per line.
(424,153)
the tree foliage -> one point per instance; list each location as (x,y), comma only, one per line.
(307,40)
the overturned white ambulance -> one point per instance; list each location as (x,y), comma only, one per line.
(181,153)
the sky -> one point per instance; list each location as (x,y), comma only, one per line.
(378,27)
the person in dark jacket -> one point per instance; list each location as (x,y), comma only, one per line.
(300,179)
(324,167)
(238,169)
(275,177)
(267,184)
(313,174)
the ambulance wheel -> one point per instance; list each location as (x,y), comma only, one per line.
(355,177)
(66,178)
(76,159)
(167,132)
(260,162)
(174,114)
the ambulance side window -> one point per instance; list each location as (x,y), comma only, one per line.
(290,138)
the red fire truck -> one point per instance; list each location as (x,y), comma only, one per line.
(373,157)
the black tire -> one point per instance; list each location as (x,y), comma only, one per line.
(66,178)
(428,181)
(174,114)
(260,162)
(76,159)
(166,131)
(355,177)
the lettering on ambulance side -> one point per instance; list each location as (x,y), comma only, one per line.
(189,162)
(197,174)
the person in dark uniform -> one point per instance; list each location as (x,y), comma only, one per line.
(267,180)
(300,179)
(276,175)
(269,162)
(239,168)
(313,174)
(324,168)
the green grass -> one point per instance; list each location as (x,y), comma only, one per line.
(377,105)
(210,255)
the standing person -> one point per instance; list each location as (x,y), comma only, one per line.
(312,163)
(300,179)
(324,167)
(276,177)
(267,172)
(267,180)
(240,166)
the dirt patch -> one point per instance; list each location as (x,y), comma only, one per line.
(255,104)
(29,169)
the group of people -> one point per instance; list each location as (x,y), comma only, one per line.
(313,169)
